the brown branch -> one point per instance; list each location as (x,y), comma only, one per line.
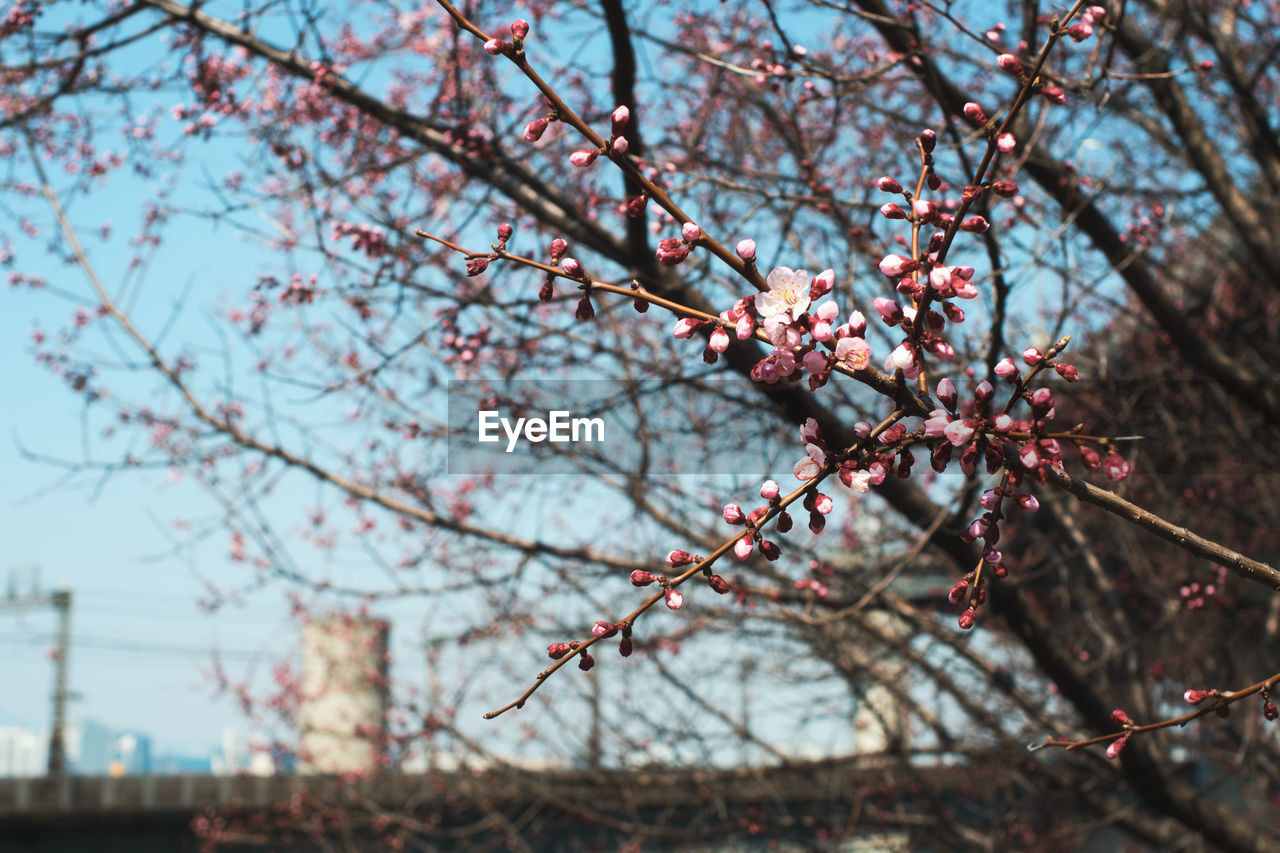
(1243,566)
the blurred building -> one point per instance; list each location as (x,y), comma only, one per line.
(343,702)
(22,753)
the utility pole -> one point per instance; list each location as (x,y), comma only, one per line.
(60,599)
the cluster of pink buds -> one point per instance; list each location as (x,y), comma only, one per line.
(1122,719)
(673,251)
(1091,17)
(1269,711)
(619,119)
(617,146)
(747,542)
(498,47)
(858,475)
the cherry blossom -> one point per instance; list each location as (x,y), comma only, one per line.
(788,294)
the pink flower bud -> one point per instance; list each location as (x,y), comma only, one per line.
(583,158)
(888,185)
(557,249)
(814,361)
(1006,369)
(620,145)
(826,312)
(1010,64)
(641,578)
(1029,458)
(678,558)
(746,249)
(1054,95)
(823,504)
(604,629)
(586,661)
(493,47)
(956,595)
(1003,423)
(966,620)
(1080,31)
(1115,467)
(1092,460)
(895,266)
(1005,189)
(982,394)
(973,112)
(927,140)
(585,310)
(769,490)
(674,599)
(770,550)
(475,266)
(690,232)
(686,326)
(620,117)
(558,650)
(533,130)
(671,252)
(990,499)
(1032,356)
(947,392)
(570,267)
(742,548)
(1067,372)
(889,311)
(719,341)
(1028,502)
(975,225)
(1006,142)
(1120,718)
(1113,749)
(719,584)
(734,514)
(857,324)
(519,29)
(823,282)
(625,647)
(978,528)
(892,211)
(744,328)
(936,425)
(504,232)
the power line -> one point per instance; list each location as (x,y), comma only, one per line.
(120,645)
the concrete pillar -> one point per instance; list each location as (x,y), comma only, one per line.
(342,715)
(880,721)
